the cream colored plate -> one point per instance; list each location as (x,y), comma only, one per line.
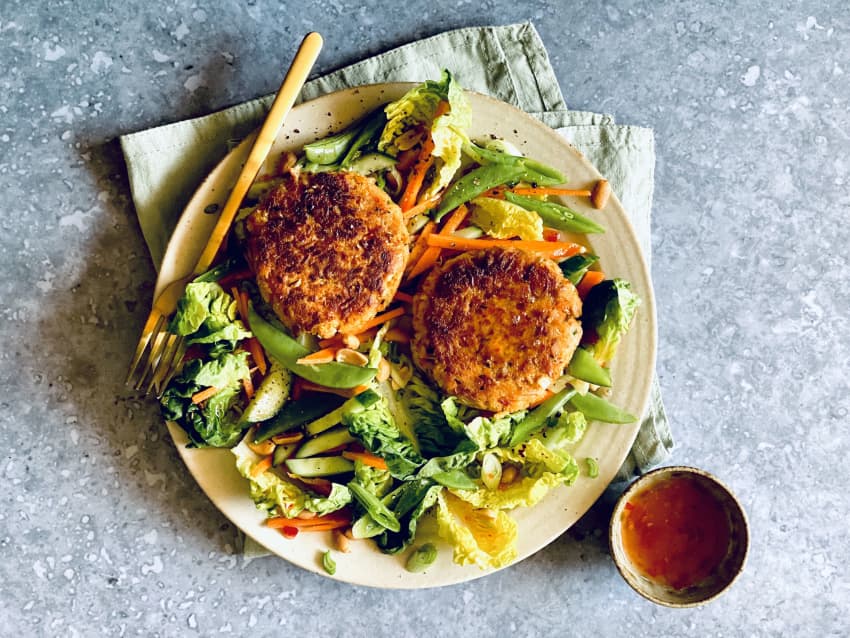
(619,255)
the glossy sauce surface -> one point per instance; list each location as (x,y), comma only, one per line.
(675,532)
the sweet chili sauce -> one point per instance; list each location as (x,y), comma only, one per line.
(675,532)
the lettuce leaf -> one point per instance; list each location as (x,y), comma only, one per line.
(502,219)
(206,314)
(484,537)
(376,428)
(409,502)
(214,422)
(280,497)
(417,108)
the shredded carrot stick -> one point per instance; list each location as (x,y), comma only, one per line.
(233,277)
(325,355)
(328,519)
(241,304)
(257,354)
(262,465)
(430,256)
(403,297)
(590,279)
(544,190)
(248,386)
(495,193)
(550,234)
(382,318)
(417,175)
(421,207)
(203,395)
(549,248)
(421,244)
(397,335)
(367,459)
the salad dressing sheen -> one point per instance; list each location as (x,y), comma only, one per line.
(675,532)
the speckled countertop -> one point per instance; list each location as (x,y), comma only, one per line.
(103,531)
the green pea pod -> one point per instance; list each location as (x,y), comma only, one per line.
(421,558)
(287,351)
(575,267)
(217,272)
(476,182)
(598,409)
(533,171)
(368,134)
(379,512)
(330,149)
(536,419)
(455,479)
(583,366)
(556,215)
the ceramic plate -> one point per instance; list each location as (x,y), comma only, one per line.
(620,256)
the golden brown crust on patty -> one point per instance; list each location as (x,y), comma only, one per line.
(496,327)
(328,251)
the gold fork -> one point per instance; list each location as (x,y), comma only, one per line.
(159,353)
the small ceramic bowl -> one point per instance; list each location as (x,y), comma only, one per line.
(720,579)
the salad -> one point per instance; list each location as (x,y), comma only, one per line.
(349,433)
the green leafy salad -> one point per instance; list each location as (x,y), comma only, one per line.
(346,434)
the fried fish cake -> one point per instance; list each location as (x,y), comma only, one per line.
(328,251)
(496,327)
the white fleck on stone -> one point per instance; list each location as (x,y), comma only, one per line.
(252,620)
(152,478)
(182,31)
(194,82)
(5,137)
(200,15)
(192,621)
(159,56)
(131,451)
(66,135)
(150,537)
(751,76)
(467,597)
(40,570)
(153,568)
(100,62)
(68,574)
(65,113)
(51,55)
(75,435)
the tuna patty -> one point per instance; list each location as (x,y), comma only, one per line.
(496,327)
(328,251)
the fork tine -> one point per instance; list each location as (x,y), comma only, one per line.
(157,345)
(152,327)
(165,363)
(175,367)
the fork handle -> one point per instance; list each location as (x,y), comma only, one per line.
(302,63)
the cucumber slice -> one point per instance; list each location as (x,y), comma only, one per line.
(283,452)
(270,396)
(330,149)
(371,163)
(319,466)
(324,442)
(297,413)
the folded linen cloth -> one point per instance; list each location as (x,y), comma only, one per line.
(166,164)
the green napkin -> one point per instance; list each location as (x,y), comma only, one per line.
(510,63)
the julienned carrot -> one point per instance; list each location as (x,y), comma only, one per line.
(257,354)
(241,304)
(421,207)
(233,277)
(545,190)
(430,256)
(203,395)
(549,248)
(327,519)
(382,318)
(590,279)
(325,355)
(403,297)
(417,175)
(248,385)
(367,459)
(262,465)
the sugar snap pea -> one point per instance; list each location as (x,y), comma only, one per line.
(287,351)
(379,512)
(598,409)
(533,171)
(583,366)
(556,215)
(371,129)
(476,182)
(536,419)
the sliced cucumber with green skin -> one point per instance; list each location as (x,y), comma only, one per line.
(324,442)
(297,413)
(319,466)
(371,163)
(283,452)
(270,396)
(352,406)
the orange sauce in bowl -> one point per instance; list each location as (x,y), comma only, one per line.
(675,532)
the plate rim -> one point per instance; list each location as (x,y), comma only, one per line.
(648,309)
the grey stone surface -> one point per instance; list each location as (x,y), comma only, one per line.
(102,530)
